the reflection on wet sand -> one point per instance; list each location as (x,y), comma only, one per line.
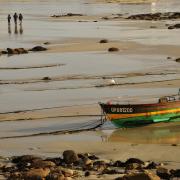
(20,28)
(9,28)
(163,133)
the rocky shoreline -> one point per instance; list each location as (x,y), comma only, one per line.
(15,51)
(82,166)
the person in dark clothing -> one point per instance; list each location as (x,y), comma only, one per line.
(15,18)
(20,18)
(9,18)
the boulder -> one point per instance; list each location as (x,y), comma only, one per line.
(70,156)
(38,48)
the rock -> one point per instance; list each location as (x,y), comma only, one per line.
(38,48)
(134,160)
(46,78)
(87,173)
(177,60)
(70,156)
(110,171)
(151,165)
(99,165)
(176,26)
(112,49)
(133,166)
(39,173)
(4,52)
(25,158)
(175,173)
(42,164)
(153,27)
(119,164)
(139,176)
(47,43)
(93,157)
(103,41)
(163,173)
(10,51)
(169,57)
(55,176)
(67,172)
(155,16)
(57,161)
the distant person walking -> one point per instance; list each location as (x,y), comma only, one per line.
(9,18)
(15,18)
(20,18)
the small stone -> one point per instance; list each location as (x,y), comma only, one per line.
(46,78)
(177,60)
(47,43)
(87,173)
(169,58)
(103,41)
(112,49)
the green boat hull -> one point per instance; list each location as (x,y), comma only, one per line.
(145,120)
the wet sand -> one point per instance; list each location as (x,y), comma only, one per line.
(79,68)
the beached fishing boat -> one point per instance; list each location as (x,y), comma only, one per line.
(167,109)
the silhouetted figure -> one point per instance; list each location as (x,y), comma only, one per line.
(20,18)
(15,29)
(15,18)
(9,28)
(9,18)
(20,29)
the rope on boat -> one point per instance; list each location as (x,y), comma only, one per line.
(88,126)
